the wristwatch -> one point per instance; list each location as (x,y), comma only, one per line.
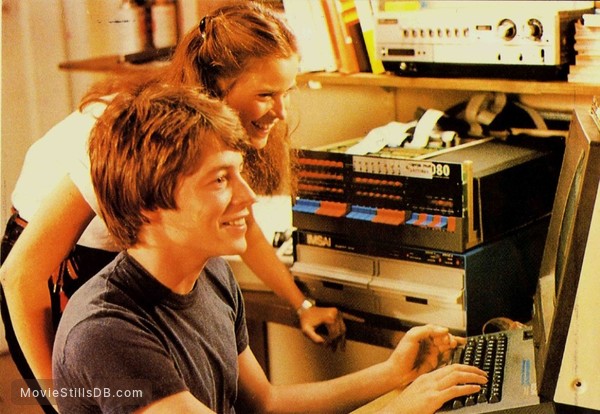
(304,306)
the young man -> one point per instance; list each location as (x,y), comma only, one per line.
(162,328)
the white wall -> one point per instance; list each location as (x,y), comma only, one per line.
(336,113)
(35,94)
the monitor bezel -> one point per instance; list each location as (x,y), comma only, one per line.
(557,294)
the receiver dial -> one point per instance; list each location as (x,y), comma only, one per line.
(507,29)
(535,29)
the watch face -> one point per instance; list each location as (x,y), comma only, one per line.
(307,304)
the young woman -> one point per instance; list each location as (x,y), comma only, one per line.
(243,54)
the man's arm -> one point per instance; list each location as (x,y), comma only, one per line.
(342,394)
(420,351)
(430,391)
(44,243)
(183,402)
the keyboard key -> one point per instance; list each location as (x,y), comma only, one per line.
(487,352)
(457,404)
(470,400)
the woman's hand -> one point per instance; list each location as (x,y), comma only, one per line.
(324,326)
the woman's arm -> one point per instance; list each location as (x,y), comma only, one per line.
(262,260)
(46,241)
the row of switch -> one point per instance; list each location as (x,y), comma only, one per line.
(375,215)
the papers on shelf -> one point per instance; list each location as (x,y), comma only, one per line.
(587,48)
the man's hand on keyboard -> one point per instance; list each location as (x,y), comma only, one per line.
(421,350)
(431,390)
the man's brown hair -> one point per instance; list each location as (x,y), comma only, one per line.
(145,142)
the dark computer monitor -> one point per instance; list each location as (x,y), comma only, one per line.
(567,328)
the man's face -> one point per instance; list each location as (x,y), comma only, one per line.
(212,207)
(261,95)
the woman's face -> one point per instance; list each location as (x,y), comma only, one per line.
(261,95)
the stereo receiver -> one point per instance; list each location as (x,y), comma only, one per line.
(508,39)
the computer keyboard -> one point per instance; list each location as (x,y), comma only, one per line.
(487,352)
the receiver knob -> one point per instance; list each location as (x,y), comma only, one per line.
(535,28)
(507,29)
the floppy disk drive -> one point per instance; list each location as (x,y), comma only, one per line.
(413,292)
